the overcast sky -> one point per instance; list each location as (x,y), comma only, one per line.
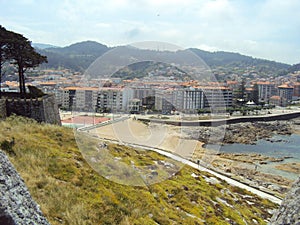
(261,28)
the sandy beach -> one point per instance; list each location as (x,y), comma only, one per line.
(166,137)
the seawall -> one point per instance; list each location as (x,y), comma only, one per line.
(218,122)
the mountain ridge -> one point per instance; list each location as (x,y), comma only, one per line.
(79,56)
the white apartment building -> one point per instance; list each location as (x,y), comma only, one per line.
(80,98)
(217,97)
(193,98)
(109,99)
(266,89)
(286,92)
(164,99)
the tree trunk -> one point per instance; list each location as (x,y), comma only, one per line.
(21,82)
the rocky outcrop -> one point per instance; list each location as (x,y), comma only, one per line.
(289,211)
(244,133)
(16,205)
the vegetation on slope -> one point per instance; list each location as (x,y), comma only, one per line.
(227,63)
(69,191)
(80,55)
(150,69)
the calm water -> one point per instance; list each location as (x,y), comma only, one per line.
(290,146)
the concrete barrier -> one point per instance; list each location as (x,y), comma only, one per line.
(218,122)
(102,124)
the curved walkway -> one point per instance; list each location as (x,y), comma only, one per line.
(229,180)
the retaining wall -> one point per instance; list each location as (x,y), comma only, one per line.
(2,109)
(42,109)
(219,122)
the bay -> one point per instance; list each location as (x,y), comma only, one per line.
(278,146)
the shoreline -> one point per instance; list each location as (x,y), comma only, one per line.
(185,142)
(244,165)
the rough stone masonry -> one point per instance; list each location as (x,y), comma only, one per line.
(289,211)
(16,205)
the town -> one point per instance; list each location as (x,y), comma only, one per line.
(164,95)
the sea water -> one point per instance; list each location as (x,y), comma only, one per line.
(278,146)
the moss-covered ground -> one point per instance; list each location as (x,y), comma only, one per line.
(69,191)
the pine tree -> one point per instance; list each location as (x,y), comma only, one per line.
(17,49)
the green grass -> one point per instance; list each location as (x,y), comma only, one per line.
(69,190)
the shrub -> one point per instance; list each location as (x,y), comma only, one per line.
(7,146)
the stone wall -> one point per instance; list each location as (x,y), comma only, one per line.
(50,110)
(16,204)
(42,109)
(2,109)
(219,122)
(289,211)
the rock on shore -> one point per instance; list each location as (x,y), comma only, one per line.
(289,211)
(16,205)
(244,133)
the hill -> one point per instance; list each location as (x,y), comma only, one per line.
(69,191)
(230,63)
(43,46)
(77,56)
(80,55)
(152,70)
(294,68)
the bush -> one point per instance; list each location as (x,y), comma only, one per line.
(7,146)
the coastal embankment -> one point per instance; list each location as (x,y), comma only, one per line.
(231,120)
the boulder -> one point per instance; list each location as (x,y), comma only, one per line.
(16,205)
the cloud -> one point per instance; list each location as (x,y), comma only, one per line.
(263,28)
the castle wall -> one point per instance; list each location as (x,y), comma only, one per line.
(42,109)
(2,109)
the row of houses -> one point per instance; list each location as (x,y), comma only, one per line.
(136,99)
(164,96)
(281,95)
(269,92)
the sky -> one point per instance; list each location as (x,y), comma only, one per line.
(268,29)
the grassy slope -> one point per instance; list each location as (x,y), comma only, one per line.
(69,191)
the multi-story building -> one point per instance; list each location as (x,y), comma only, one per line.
(92,99)
(296,93)
(193,98)
(286,92)
(80,98)
(164,100)
(266,89)
(217,97)
(109,99)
